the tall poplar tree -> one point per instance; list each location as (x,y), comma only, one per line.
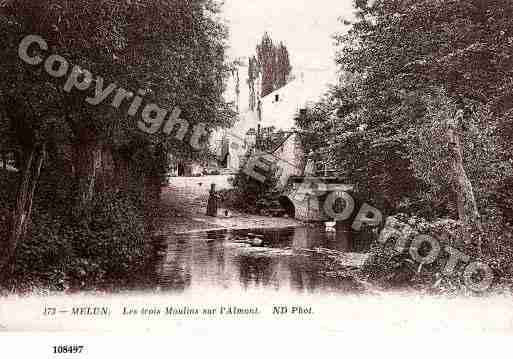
(274,63)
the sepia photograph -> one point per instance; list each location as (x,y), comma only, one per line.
(193,167)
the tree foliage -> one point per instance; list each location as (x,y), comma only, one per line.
(406,67)
(171,50)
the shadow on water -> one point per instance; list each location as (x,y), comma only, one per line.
(276,259)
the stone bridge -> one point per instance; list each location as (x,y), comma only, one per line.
(305,199)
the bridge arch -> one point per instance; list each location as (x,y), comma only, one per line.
(289,207)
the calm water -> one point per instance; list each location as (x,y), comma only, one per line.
(222,260)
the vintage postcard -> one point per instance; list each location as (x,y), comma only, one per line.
(273,169)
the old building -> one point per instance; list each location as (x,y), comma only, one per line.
(277,110)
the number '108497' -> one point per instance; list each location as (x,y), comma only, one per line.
(68,349)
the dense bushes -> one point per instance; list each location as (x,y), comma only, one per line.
(394,268)
(114,240)
(249,194)
(59,253)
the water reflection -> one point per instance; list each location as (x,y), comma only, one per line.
(315,237)
(256,271)
(175,270)
(228,259)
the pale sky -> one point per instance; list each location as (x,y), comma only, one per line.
(305,26)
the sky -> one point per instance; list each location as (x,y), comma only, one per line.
(305,26)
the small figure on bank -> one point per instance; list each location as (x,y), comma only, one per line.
(212,201)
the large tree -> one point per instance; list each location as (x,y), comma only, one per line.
(172,50)
(428,95)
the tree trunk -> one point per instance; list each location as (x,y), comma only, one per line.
(465,200)
(23,207)
(87,162)
(40,155)
(105,175)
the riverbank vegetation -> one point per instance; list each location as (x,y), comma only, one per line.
(422,119)
(250,194)
(79,196)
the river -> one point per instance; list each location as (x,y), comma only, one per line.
(238,260)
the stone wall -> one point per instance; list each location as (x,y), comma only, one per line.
(290,159)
